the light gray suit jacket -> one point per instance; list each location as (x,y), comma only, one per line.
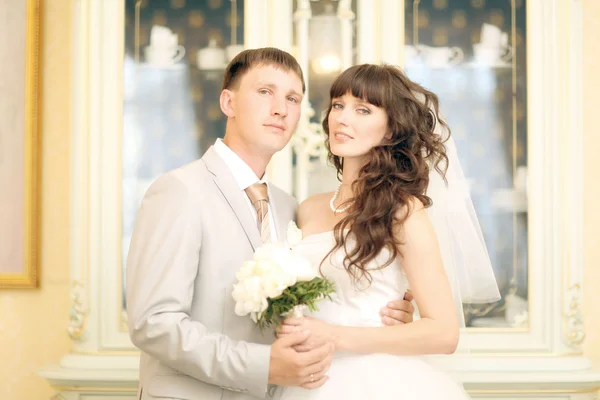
(193,232)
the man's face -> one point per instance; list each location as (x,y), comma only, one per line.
(265,108)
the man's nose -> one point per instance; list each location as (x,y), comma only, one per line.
(279,107)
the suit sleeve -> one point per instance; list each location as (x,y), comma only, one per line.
(162,265)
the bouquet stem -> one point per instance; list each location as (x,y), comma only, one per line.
(296,312)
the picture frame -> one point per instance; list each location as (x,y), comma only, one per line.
(19,146)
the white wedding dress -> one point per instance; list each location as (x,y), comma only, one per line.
(371,376)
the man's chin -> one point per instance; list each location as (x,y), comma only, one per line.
(277,144)
(268,149)
(275,150)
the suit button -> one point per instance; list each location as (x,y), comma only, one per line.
(271,391)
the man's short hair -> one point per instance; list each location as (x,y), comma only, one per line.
(248,59)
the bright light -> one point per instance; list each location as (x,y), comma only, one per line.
(326,64)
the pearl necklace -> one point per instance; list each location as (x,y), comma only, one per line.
(332,202)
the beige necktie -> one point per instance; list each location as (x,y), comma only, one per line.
(259,198)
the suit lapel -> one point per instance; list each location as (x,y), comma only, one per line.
(229,188)
(277,201)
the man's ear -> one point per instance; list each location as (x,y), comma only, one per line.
(226,102)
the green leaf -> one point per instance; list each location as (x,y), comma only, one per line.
(301,293)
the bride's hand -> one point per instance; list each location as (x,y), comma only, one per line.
(320,332)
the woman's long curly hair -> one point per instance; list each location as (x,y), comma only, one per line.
(396,171)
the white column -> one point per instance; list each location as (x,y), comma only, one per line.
(281,36)
(367,39)
(302,16)
(256,31)
(346,16)
(97,342)
(391,31)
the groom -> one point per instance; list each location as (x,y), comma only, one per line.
(196,226)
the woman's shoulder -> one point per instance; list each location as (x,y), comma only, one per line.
(316,200)
(313,205)
(413,207)
(415,223)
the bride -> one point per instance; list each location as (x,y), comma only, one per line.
(392,224)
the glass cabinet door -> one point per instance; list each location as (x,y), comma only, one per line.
(325,43)
(175,55)
(162,113)
(472,55)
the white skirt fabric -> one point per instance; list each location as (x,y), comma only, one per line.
(381,377)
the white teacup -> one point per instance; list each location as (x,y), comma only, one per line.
(162,37)
(492,36)
(233,50)
(163,56)
(211,57)
(489,55)
(440,57)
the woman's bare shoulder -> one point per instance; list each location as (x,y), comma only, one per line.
(313,205)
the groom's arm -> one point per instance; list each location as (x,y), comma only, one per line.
(400,311)
(161,271)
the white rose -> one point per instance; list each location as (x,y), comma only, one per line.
(273,252)
(256,313)
(254,317)
(286,259)
(264,268)
(249,296)
(246,271)
(274,278)
(294,234)
(301,268)
(244,308)
(276,282)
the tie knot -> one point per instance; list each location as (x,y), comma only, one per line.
(257,192)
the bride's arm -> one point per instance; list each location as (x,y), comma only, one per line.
(437,331)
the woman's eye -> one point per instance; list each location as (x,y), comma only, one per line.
(337,106)
(363,111)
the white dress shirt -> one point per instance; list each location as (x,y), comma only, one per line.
(245,177)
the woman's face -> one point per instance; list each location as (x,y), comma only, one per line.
(355,126)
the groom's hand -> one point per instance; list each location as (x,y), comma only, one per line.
(289,367)
(398,311)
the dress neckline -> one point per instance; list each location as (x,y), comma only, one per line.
(319,234)
(316,235)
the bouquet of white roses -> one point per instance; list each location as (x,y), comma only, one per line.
(278,282)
